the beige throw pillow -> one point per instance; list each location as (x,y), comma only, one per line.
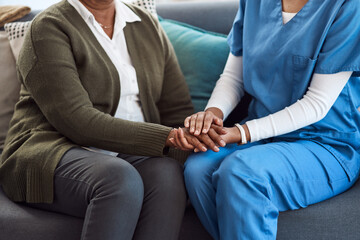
(148,5)
(9,86)
(16,34)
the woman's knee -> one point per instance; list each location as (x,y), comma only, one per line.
(114,176)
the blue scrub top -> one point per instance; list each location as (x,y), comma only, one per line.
(279,61)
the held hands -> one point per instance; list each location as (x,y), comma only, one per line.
(203,131)
(201,122)
(181,138)
(209,124)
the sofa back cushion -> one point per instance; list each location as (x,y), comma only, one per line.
(202,56)
(215,16)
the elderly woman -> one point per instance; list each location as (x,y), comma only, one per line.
(89,136)
(300,61)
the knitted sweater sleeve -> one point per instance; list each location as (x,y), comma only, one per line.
(323,91)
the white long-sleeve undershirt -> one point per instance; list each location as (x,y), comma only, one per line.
(322,93)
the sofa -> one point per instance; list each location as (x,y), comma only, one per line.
(337,218)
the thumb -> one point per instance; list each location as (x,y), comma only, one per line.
(218,121)
(219,129)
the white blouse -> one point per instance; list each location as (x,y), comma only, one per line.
(129,107)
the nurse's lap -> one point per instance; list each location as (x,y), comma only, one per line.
(302,170)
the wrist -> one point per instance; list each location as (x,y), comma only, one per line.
(244,133)
(247,132)
(170,136)
(243,139)
(232,135)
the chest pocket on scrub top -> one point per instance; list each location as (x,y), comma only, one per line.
(303,68)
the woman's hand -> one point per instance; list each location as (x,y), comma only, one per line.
(184,140)
(200,123)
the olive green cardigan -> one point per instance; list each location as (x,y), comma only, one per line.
(70,92)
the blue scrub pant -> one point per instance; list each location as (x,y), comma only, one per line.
(238,192)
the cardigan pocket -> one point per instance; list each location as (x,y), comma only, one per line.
(303,68)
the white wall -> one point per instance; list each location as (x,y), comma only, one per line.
(42,4)
(34,4)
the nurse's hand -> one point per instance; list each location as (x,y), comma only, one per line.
(233,135)
(200,123)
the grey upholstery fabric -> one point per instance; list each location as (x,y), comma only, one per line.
(337,218)
(23,223)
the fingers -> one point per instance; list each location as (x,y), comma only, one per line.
(199,123)
(218,121)
(200,141)
(205,138)
(216,138)
(218,129)
(194,141)
(186,142)
(183,140)
(209,119)
(172,140)
(181,143)
(197,144)
(193,123)
(187,121)
(176,140)
(207,122)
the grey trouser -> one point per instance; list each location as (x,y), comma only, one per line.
(124,197)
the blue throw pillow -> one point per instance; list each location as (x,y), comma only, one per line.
(202,56)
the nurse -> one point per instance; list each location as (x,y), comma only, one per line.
(300,144)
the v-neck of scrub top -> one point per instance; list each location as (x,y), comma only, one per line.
(279,8)
(287,16)
(301,17)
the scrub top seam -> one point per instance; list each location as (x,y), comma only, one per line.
(353,107)
(354,68)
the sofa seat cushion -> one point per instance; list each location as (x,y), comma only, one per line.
(337,218)
(18,222)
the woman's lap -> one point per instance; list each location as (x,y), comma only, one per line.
(80,174)
(116,194)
